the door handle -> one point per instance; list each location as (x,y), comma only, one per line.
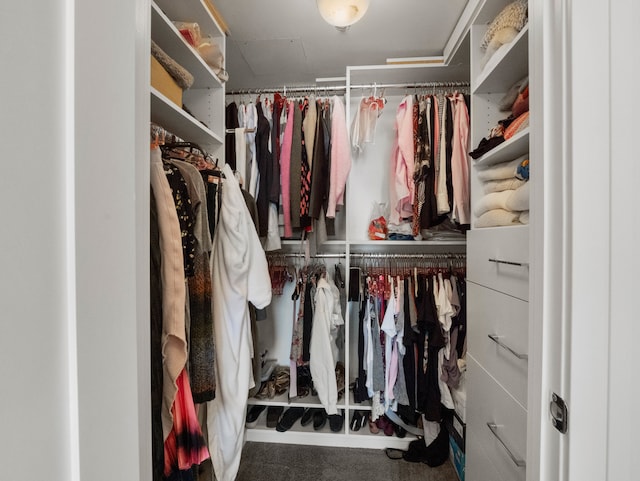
(510,263)
(495,338)
(521,463)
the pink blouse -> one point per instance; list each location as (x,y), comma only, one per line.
(285,166)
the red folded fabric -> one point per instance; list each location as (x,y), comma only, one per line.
(521,123)
(521,105)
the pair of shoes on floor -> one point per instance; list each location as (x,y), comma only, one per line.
(289,418)
(358,420)
(433,455)
(253,414)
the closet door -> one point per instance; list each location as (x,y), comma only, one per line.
(582,276)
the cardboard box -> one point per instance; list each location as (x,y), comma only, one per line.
(457,457)
(164,83)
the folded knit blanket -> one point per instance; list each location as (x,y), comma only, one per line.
(182,77)
(513,16)
(511,200)
(502,184)
(498,218)
(495,200)
(501,171)
(519,200)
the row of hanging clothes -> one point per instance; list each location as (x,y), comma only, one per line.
(203,302)
(428,166)
(317,334)
(411,336)
(292,155)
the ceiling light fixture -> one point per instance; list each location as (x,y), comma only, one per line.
(342,13)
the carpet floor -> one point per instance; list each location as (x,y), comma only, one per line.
(285,462)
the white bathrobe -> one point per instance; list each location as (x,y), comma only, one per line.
(239,274)
(323,351)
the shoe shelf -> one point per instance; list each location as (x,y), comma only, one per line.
(306,435)
(309,401)
(345,437)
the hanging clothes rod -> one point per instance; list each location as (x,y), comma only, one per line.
(382,255)
(159,132)
(363,255)
(246,131)
(276,255)
(343,88)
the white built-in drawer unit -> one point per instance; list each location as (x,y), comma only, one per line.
(496,430)
(498,337)
(498,258)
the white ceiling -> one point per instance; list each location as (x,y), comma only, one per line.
(286,42)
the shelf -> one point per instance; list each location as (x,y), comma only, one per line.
(167,36)
(508,64)
(192,11)
(406,247)
(325,437)
(329,247)
(177,121)
(309,401)
(511,149)
(513,229)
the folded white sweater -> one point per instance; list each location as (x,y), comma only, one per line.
(500,185)
(498,218)
(519,200)
(494,200)
(512,200)
(501,171)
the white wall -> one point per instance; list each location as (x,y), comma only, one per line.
(74,256)
(112,270)
(34,345)
(624,390)
(606,235)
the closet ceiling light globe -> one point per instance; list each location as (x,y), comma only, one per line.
(342,13)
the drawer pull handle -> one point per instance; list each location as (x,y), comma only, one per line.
(521,463)
(495,338)
(510,263)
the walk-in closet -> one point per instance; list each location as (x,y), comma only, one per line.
(320,240)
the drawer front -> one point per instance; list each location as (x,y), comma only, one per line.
(505,319)
(498,258)
(487,457)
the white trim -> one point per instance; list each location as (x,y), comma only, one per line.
(341,440)
(461,29)
(589,171)
(624,391)
(70,199)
